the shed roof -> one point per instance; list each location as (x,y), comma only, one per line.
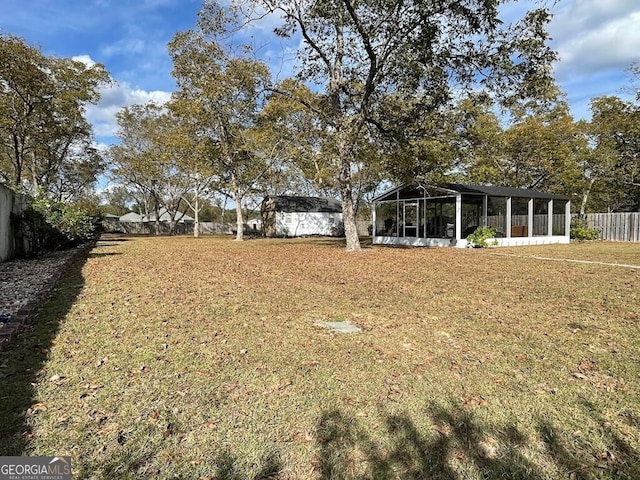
(290,204)
(469,189)
(503,191)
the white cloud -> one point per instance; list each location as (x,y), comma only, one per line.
(114,98)
(125,46)
(592,35)
(86,59)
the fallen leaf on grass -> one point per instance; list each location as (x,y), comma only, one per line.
(153,418)
(607,457)
(487,449)
(302,437)
(444,431)
(477,400)
(90,386)
(38,407)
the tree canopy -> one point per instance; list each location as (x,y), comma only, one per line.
(380,67)
(46,143)
(222,92)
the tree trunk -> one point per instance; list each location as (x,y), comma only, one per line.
(196,219)
(239,218)
(585,197)
(346,189)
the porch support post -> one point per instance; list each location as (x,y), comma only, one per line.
(530,218)
(508,232)
(458,217)
(373,220)
(550,218)
(567,218)
(485,208)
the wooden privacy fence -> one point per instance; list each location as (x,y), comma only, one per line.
(149,228)
(619,227)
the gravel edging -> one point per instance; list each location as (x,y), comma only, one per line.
(27,284)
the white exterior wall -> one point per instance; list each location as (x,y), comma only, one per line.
(298,224)
(462,243)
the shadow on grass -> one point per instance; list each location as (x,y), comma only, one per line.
(113,238)
(103,254)
(145,451)
(459,446)
(21,362)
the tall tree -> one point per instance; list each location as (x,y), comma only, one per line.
(542,152)
(613,167)
(43,131)
(305,145)
(223,92)
(360,54)
(146,162)
(193,152)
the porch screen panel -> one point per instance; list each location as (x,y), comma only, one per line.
(411,219)
(431,213)
(559,217)
(519,217)
(471,214)
(497,215)
(387,219)
(441,217)
(540,216)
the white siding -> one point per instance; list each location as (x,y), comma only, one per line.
(299,224)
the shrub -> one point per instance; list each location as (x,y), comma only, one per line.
(581,231)
(478,239)
(52,225)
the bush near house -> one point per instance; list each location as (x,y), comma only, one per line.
(581,231)
(479,238)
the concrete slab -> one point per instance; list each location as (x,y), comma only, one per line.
(342,327)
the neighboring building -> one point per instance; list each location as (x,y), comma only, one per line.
(132,217)
(291,216)
(443,216)
(164,217)
(254,225)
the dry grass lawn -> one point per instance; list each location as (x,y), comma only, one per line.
(200,359)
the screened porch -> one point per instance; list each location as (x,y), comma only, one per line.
(446,215)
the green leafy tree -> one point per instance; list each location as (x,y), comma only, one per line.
(613,166)
(542,152)
(364,57)
(222,92)
(45,140)
(146,161)
(117,200)
(192,152)
(305,146)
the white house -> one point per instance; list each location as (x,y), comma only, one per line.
(293,216)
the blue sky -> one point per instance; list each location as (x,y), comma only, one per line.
(596,40)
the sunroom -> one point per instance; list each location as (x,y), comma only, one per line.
(444,215)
